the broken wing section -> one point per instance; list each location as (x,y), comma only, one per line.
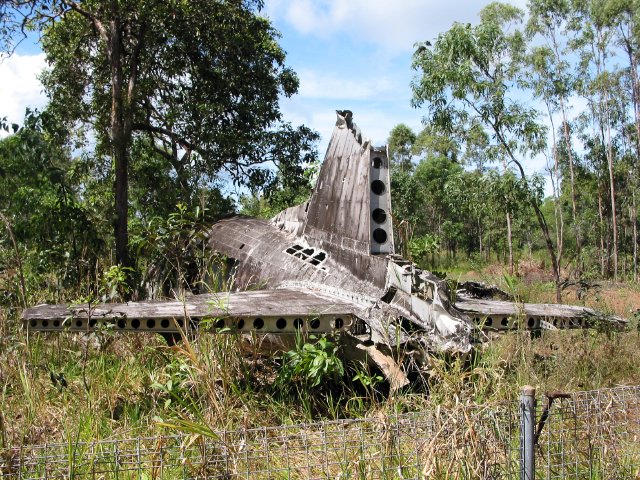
(500,315)
(263,311)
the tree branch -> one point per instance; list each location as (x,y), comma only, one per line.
(92,18)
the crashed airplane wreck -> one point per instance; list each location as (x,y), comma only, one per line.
(329,267)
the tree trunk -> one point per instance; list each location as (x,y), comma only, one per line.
(119,151)
(556,187)
(601,229)
(567,139)
(122,104)
(600,59)
(574,208)
(634,223)
(509,235)
(479,237)
(614,217)
(509,240)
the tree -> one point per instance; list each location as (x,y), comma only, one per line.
(401,141)
(50,231)
(623,16)
(599,85)
(419,205)
(465,77)
(466,194)
(554,83)
(200,80)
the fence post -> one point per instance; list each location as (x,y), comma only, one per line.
(527,427)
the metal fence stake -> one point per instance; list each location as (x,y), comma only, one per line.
(527,435)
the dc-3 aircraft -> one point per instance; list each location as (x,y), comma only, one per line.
(329,267)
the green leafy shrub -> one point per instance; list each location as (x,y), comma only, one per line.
(310,364)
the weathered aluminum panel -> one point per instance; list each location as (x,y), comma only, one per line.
(339,210)
(260,248)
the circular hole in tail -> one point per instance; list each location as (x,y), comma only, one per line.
(135,323)
(379,235)
(151,323)
(56,323)
(338,323)
(281,323)
(531,322)
(45,323)
(78,323)
(33,323)
(93,322)
(241,324)
(164,323)
(122,323)
(379,215)
(258,323)
(297,323)
(315,323)
(505,322)
(489,322)
(378,187)
(377,162)
(220,323)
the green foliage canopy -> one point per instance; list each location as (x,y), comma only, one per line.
(199,81)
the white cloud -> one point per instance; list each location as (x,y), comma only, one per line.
(19,86)
(391,26)
(333,86)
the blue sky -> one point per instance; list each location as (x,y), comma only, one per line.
(349,54)
(356,55)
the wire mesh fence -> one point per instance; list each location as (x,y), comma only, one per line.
(592,435)
(477,442)
(589,435)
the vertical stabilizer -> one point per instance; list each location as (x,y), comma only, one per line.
(351,204)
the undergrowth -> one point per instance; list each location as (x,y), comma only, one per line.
(62,387)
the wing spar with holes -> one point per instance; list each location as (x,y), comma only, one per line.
(258,311)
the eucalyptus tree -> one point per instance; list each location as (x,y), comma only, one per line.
(466,194)
(465,80)
(200,80)
(599,83)
(431,174)
(554,82)
(623,17)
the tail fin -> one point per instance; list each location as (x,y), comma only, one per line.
(351,204)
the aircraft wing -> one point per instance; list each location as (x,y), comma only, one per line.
(263,311)
(503,315)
